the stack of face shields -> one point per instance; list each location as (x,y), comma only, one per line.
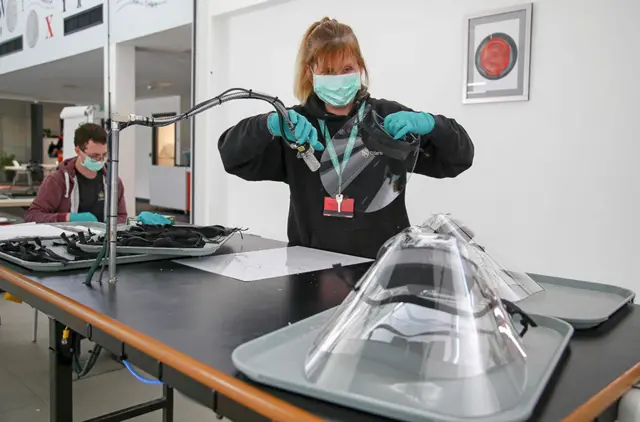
(424,329)
(511,285)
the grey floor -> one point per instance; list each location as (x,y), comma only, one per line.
(24,378)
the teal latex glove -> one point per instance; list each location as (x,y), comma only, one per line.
(82,217)
(304,130)
(403,122)
(153,219)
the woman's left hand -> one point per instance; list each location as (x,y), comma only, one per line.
(402,122)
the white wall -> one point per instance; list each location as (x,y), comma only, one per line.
(553,185)
(131,20)
(143,138)
(32,19)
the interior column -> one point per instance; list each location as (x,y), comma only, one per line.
(37,131)
(120,74)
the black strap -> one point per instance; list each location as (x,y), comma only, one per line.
(31,250)
(49,253)
(525,320)
(74,249)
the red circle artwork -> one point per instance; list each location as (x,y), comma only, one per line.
(496,56)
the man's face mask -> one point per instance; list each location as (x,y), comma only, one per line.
(337,90)
(93,162)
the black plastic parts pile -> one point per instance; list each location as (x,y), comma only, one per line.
(164,236)
(33,250)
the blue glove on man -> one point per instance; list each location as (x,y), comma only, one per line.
(153,219)
(304,130)
(403,122)
(82,217)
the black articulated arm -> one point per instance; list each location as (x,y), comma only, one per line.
(118,123)
(243,131)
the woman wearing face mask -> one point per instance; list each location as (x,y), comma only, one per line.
(76,191)
(331,84)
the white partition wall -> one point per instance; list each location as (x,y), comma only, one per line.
(168,187)
(553,187)
(143,139)
(209,180)
(214,74)
(120,90)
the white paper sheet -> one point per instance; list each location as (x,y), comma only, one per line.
(259,265)
(30,230)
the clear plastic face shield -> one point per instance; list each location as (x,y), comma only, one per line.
(511,285)
(424,328)
(365,163)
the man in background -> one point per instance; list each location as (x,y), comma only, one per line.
(76,191)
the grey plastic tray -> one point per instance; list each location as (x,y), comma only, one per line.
(277,359)
(73,265)
(88,225)
(582,304)
(206,250)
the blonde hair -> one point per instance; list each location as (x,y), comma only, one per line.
(325,42)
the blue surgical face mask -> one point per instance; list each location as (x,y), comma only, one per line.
(337,90)
(91,164)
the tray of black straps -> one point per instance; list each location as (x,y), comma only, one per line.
(183,240)
(51,255)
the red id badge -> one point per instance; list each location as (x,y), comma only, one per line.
(338,207)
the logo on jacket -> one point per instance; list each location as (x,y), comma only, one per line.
(366,153)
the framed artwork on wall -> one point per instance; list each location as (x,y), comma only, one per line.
(497,55)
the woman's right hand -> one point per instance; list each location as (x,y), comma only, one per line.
(304,130)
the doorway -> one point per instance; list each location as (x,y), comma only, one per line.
(163,143)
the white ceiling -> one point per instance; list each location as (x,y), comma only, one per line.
(163,58)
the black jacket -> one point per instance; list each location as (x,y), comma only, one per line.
(248,150)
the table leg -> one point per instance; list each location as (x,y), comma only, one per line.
(60,375)
(35,325)
(167,411)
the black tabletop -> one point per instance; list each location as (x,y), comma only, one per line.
(207,316)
